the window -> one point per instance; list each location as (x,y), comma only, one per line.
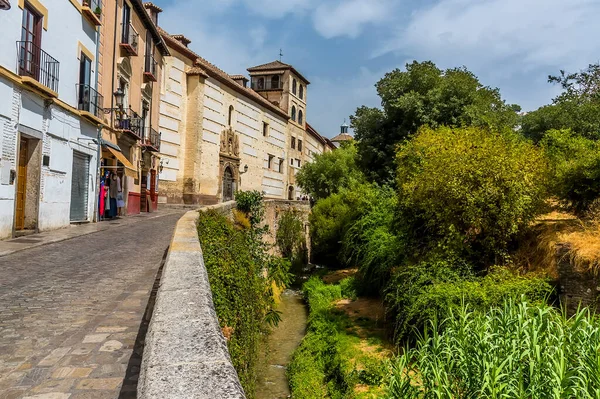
(85,73)
(292,161)
(293,143)
(270,162)
(230,115)
(265,129)
(299,145)
(281,166)
(301,95)
(126,26)
(31,37)
(300,117)
(261,83)
(298,162)
(275,82)
(294,85)
(294,113)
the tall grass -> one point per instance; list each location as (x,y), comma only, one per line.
(515,351)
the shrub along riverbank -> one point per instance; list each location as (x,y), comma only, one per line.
(242,273)
(436,196)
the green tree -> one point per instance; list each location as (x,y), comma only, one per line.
(575,165)
(290,238)
(469,191)
(577,108)
(330,172)
(423,95)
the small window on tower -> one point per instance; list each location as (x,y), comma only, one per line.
(299,145)
(230,114)
(300,117)
(275,82)
(298,162)
(294,113)
(294,86)
(270,164)
(301,95)
(293,143)
(265,129)
(281,166)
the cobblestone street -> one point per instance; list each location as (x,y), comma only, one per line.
(70,311)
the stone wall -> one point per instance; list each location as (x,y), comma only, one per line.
(577,286)
(185,354)
(273,211)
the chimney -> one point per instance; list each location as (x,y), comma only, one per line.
(153,10)
(240,79)
(182,39)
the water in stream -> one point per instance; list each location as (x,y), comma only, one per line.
(285,338)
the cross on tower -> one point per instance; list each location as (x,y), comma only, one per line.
(280,54)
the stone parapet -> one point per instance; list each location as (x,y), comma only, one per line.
(185,354)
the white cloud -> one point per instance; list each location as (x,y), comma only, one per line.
(349,17)
(517,35)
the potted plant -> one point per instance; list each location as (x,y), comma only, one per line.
(98,11)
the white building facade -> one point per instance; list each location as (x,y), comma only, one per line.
(50,114)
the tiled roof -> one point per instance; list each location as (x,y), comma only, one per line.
(149,24)
(184,40)
(312,131)
(238,77)
(342,137)
(216,73)
(152,6)
(277,65)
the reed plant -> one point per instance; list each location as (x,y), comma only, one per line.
(515,351)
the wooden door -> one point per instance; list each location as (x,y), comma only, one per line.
(21,185)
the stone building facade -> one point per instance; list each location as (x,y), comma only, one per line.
(219,135)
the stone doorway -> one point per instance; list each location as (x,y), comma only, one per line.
(228,185)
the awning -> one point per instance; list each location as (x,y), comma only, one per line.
(107,143)
(130,170)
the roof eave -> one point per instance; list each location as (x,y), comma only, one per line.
(149,24)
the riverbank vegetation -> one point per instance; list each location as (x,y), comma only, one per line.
(242,273)
(442,192)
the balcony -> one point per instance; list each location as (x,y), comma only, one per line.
(90,102)
(129,40)
(129,122)
(262,85)
(151,139)
(150,69)
(38,68)
(91,9)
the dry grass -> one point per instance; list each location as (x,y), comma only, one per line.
(338,275)
(559,233)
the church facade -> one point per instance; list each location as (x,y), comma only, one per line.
(220,134)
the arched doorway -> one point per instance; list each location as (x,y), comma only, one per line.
(228,185)
(291,193)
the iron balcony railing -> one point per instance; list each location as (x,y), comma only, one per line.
(152,138)
(90,100)
(129,121)
(130,39)
(150,67)
(267,85)
(37,64)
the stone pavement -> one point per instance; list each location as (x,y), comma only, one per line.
(70,311)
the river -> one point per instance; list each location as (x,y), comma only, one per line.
(281,343)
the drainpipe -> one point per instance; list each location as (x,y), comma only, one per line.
(96,218)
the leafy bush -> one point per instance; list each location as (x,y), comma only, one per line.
(371,241)
(330,172)
(513,351)
(575,163)
(331,218)
(469,191)
(432,289)
(290,237)
(235,259)
(251,203)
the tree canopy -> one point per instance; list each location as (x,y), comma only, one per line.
(423,95)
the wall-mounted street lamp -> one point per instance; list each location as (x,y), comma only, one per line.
(4,5)
(118,95)
(245,170)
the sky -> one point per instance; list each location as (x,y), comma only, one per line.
(343,47)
